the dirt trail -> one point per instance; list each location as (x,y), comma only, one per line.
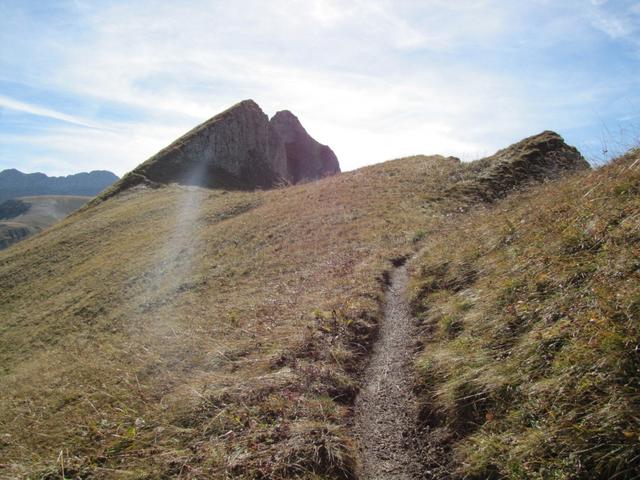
(386,408)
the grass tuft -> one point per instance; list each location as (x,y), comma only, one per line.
(530,315)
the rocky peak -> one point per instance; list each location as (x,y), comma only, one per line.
(537,158)
(238,148)
(235,148)
(307,159)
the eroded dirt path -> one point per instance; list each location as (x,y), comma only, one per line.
(386,408)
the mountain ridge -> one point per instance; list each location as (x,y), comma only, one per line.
(14,183)
(239,148)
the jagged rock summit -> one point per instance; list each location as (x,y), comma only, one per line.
(307,159)
(537,158)
(238,148)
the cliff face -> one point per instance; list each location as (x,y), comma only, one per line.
(307,159)
(238,148)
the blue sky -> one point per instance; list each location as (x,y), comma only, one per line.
(90,85)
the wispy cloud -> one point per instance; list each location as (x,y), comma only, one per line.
(6,102)
(620,20)
(375,79)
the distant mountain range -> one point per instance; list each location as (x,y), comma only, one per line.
(14,183)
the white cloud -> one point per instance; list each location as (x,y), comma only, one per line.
(614,26)
(369,111)
(71,149)
(12,104)
(618,20)
(374,79)
(328,12)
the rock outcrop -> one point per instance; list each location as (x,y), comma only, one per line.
(534,159)
(307,159)
(238,148)
(234,148)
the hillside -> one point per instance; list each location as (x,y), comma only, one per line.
(22,217)
(529,311)
(14,184)
(210,330)
(180,331)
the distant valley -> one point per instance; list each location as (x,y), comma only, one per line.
(31,202)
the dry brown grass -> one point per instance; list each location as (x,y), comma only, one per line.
(192,333)
(531,312)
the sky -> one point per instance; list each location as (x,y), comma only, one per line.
(88,85)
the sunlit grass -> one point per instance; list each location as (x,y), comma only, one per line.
(202,333)
(530,313)
(142,337)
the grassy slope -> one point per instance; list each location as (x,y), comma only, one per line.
(202,333)
(531,311)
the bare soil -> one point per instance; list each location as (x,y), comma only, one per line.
(386,410)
